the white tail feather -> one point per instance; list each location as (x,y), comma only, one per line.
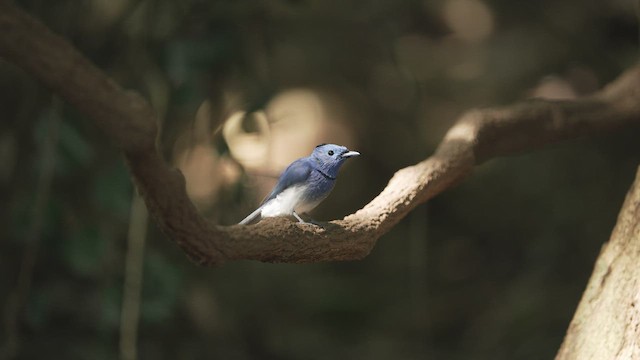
(251,216)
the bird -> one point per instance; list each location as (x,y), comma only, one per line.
(304,184)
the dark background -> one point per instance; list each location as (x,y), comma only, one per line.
(491,269)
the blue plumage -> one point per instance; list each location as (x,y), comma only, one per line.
(304,184)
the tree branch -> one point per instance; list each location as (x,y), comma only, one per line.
(131,122)
(607,322)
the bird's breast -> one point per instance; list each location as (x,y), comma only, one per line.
(317,190)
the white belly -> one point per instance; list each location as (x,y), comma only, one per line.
(284,204)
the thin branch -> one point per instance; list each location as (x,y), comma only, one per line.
(129,120)
(133,275)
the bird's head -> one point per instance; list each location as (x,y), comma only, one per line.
(330,157)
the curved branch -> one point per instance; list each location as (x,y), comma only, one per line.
(130,121)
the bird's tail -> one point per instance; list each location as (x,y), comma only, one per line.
(251,216)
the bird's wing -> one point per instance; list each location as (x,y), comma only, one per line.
(296,173)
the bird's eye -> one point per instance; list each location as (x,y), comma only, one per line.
(330,153)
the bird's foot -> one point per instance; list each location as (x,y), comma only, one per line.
(316,223)
(310,222)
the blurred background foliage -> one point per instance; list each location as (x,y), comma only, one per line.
(492,269)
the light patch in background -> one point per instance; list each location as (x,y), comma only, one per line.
(575,82)
(206,172)
(470,20)
(554,88)
(249,148)
(106,12)
(296,118)
(292,124)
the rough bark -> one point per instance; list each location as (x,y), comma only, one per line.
(130,121)
(607,322)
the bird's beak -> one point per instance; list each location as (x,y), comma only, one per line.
(349,154)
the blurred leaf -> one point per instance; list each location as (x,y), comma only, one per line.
(112,190)
(37,309)
(83,250)
(187,59)
(75,145)
(111,305)
(161,289)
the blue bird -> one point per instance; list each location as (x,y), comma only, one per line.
(304,184)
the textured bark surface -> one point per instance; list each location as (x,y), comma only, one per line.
(130,121)
(607,322)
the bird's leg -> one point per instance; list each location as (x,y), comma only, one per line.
(298,217)
(316,223)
